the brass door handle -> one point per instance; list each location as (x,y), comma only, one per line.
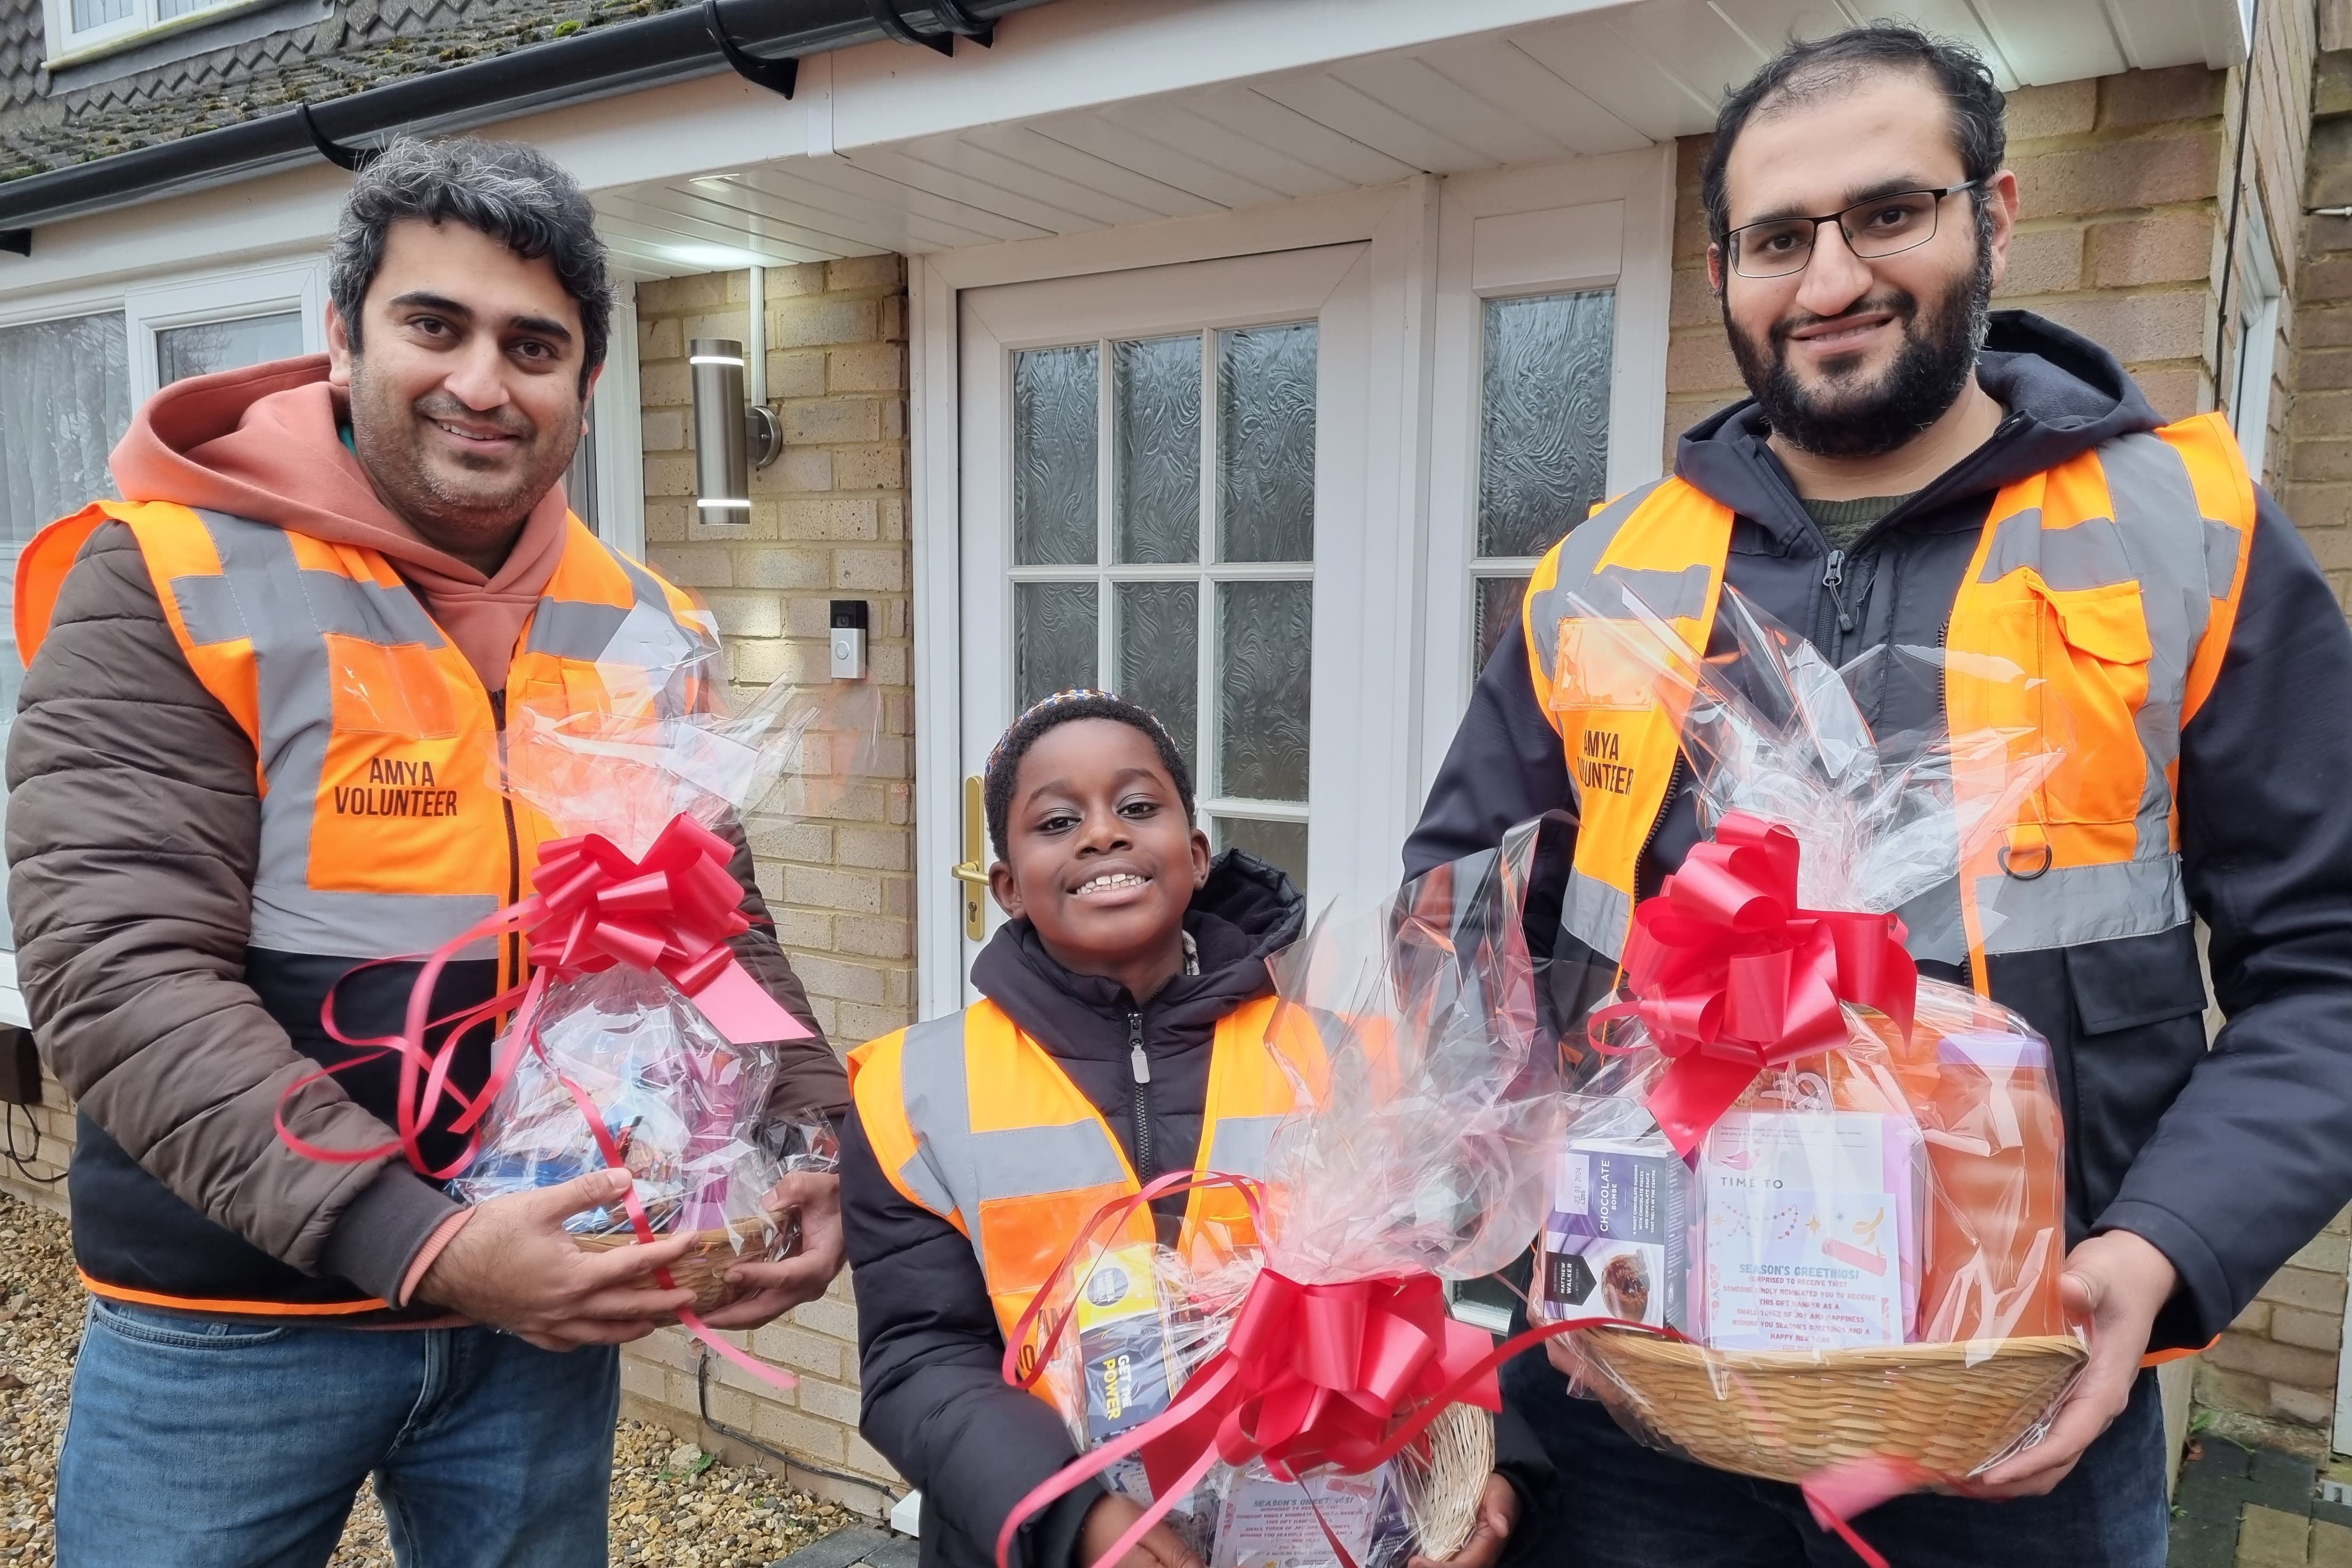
(972,871)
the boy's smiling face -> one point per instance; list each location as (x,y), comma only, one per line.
(1099,854)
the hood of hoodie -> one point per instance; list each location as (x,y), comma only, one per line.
(265,442)
(2062,395)
(1246,913)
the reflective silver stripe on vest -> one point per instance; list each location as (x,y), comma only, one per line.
(1579,576)
(2070,905)
(955,1170)
(1237,1144)
(2159,540)
(262,593)
(933,1088)
(1597,914)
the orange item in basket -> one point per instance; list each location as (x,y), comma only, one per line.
(1980,1082)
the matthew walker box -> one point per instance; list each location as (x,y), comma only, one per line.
(1618,1243)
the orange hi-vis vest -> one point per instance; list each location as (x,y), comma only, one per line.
(378,750)
(975,1121)
(383,830)
(2108,582)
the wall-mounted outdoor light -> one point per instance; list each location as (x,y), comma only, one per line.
(732,437)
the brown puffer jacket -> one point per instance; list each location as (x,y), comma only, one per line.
(133,835)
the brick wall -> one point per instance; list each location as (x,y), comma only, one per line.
(2272,1377)
(2117,235)
(828,520)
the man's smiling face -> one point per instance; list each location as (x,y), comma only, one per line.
(1850,357)
(466,391)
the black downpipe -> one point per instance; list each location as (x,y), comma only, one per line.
(599,62)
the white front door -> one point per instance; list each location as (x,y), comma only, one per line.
(1162,495)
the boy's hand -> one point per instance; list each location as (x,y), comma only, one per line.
(777,1288)
(514,1267)
(1498,1511)
(1108,1520)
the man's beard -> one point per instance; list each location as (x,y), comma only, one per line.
(1930,373)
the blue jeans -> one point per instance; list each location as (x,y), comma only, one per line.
(206,1444)
(1625,1506)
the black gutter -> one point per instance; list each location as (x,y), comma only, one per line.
(597,62)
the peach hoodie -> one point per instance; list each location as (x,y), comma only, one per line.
(264,443)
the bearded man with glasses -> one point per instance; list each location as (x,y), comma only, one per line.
(1914,470)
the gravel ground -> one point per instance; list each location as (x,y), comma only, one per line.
(673,1506)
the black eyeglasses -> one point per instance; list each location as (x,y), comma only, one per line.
(1883,226)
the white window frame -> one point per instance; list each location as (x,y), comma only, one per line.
(619,413)
(69,47)
(234,296)
(1605,222)
(2258,320)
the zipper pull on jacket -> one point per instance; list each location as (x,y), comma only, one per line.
(1834,579)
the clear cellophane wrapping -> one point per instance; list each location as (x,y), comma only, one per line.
(689,1112)
(1861,1258)
(1426,1110)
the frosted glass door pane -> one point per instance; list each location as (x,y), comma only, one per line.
(1056,392)
(1265,654)
(1281,844)
(64,400)
(1266,443)
(1159,635)
(214,346)
(1053,639)
(1495,614)
(1543,444)
(1156,424)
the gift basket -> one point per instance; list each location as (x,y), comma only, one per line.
(1293,1390)
(1811,1205)
(637,1042)
(650,1049)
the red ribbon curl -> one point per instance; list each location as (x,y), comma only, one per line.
(1729,976)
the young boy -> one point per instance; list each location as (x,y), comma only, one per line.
(1130,964)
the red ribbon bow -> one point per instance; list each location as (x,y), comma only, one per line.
(1729,976)
(1346,1376)
(671,913)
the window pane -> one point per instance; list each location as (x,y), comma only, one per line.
(1495,614)
(1053,456)
(580,478)
(1156,421)
(183,352)
(1053,639)
(1265,656)
(1159,635)
(1266,443)
(64,400)
(89,13)
(167,9)
(1543,445)
(1282,844)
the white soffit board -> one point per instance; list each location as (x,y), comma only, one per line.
(1551,83)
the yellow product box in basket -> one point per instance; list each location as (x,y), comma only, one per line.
(1128,1358)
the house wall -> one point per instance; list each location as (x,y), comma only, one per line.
(828,521)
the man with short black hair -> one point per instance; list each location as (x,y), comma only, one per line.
(1915,470)
(328,574)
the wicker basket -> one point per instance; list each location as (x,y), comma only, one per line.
(702,1271)
(1445,1476)
(1783,1415)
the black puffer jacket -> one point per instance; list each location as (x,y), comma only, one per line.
(929,1350)
(2228,1159)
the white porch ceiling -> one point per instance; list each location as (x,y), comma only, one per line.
(1596,82)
